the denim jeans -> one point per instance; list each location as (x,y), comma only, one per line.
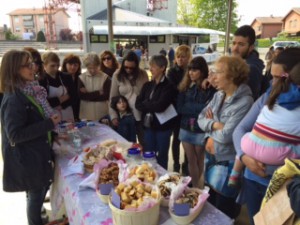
(158,141)
(35,200)
(254,194)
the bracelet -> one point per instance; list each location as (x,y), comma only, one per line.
(241,156)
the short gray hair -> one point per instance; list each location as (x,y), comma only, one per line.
(91,59)
(159,60)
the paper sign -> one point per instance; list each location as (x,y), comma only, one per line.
(182,209)
(168,114)
(115,199)
(105,189)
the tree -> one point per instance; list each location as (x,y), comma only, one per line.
(184,13)
(211,14)
(41,36)
(10,36)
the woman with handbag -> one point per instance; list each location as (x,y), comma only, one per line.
(218,120)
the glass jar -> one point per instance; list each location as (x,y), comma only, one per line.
(150,157)
(134,156)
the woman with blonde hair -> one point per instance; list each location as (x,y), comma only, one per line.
(94,88)
(183,56)
(218,120)
(109,63)
(191,100)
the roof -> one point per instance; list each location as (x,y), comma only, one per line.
(296,10)
(268,20)
(120,14)
(34,11)
(152,30)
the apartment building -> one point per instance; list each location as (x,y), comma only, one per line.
(23,21)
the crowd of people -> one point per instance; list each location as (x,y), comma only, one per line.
(236,124)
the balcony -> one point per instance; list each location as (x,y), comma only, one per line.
(28,24)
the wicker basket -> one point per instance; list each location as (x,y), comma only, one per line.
(184,220)
(148,217)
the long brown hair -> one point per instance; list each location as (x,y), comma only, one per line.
(115,64)
(197,63)
(71,59)
(10,78)
(288,59)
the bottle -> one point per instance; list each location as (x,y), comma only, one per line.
(150,157)
(91,132)
(133,156)
(77,140)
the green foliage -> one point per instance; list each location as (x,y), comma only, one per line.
(210,14)
(9,36)
(264,43)
(41,36)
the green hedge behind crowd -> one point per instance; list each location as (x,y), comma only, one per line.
(266,43)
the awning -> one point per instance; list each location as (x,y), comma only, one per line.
(152,30)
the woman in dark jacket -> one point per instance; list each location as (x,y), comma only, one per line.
(26,126)
(59,86)
(190,102)
(155,97)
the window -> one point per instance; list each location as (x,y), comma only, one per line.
(18,29)
(27,18)
(290,24)
(175,39)
(158,39)
(16,18)
(96,38)
(41,18)
(295,23)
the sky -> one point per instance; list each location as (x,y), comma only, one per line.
(247,9)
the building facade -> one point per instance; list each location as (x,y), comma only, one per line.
(291,22)
(267,27)
(26,21)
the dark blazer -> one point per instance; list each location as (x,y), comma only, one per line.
(163,95)
(26,151)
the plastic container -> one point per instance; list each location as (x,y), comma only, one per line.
(134,156)
(77,139)
(150,157)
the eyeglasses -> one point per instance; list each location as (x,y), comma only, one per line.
(106,58)
(28,65)
(129,68)
(214,71)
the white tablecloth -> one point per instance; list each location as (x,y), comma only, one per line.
(84,207)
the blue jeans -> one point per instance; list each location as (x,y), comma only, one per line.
(35,200)
(158,141)
(254,194)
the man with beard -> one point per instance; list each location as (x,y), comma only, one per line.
(243,46)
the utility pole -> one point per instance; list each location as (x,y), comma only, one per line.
(110,26)
(228,27)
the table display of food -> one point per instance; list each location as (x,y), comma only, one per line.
(107,180)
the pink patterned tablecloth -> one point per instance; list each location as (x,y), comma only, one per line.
(83,207)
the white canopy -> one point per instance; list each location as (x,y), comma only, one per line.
(153,30)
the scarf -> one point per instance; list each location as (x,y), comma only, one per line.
(39,93)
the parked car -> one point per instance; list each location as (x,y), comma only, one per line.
(285,44)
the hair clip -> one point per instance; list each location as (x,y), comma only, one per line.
(284,75)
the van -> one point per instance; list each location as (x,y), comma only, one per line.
(285,44)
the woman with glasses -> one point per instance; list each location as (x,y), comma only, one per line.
(72,66)
(128,81)
(156,97)
(218,120)
(26,124)
(109,63)
(59,86)
(191,100)
(94,88)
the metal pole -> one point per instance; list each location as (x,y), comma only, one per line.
(228,27)
(110,26)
